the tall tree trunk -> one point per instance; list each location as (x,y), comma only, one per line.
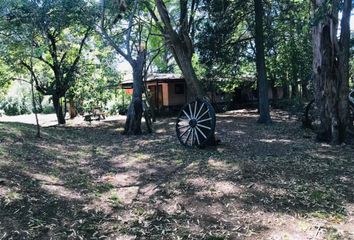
(260,62)
(183,58)
(58,109)
(331,70)
(294,89)
(72,109)
(181,45)
(304,88)
(135,109)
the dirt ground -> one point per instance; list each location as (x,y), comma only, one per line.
(87,181)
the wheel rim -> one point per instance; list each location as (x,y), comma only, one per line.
(195,123)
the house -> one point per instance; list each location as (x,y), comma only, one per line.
(167,90)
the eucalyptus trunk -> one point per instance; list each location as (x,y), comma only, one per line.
(183,57)
(331,69)
(264,116)
(135,109)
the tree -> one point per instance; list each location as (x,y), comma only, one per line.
(99,79)
(132,48)
(331,67)
(178,39)
(288,47)
(224,43)
(260,62)
(54,29)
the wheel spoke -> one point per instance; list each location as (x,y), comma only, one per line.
(199,111)
(190,110)
(183,126)
(183,119)
(195,123)
(201,132)
(189,134)
(185,132)
(196,135)
(186,115)
(203,114)
(192,141)
(195,109)
(204,120)
(202,126)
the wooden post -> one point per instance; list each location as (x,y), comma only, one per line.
(157,96)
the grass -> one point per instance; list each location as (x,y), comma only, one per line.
(90,182)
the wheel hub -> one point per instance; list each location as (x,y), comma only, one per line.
(193,123)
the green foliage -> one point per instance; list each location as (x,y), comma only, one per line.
(5,75)
(226,44)
(223,42)
(99,79)
(17,101)
(288,43)
(47,106)
(15,106)
(44,38)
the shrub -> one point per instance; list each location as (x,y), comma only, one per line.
(16,105)
(47,105)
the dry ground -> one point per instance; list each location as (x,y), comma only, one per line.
(89,182)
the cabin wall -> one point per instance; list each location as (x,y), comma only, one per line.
(176,96)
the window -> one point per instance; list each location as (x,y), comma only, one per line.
(179,88)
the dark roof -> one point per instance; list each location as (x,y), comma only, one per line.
(157,76)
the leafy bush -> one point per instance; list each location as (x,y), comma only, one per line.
(117,108)
(17,99)
(48,109)
(16,105)
(47,105)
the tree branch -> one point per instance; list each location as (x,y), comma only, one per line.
(115,46)
(39,88)
(153,15)
(45,61)
(130,24)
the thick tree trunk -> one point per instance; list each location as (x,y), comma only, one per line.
(135,109)
(184,60)
(294,89)
(181,46)
(304,89)
(58,109)
(331,71)
(260,62)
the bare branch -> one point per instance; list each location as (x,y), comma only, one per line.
(130,24)
(109,39)
(39,88)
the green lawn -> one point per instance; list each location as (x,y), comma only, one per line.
(90,182)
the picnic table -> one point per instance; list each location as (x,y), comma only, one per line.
(95,115)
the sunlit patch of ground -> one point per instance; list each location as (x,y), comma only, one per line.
(86,181)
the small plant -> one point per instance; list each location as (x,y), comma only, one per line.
(115,200)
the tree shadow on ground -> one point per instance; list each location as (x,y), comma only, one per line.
(261,181)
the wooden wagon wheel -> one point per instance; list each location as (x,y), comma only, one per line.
(196,123)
